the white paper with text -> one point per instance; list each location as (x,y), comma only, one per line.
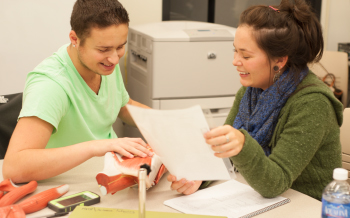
(176,136)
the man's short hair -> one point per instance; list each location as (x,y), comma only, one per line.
(87,14)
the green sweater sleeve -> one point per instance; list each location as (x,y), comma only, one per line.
(299,139)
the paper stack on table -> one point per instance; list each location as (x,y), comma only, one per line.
(231,199)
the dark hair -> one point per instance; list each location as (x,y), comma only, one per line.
(289,29)
(96,13)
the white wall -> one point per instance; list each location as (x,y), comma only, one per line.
(141,11)
(335,21)
(32,30)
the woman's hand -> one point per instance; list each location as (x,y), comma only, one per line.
(125,146)
(183,186)
(226,141)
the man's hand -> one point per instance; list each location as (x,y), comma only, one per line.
(125,146)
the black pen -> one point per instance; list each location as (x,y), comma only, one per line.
(51,215)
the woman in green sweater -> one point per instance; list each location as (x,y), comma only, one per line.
(283,129)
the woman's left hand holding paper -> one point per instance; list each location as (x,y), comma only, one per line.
(225,140)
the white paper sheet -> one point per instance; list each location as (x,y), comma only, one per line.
(176,136)
(231,199)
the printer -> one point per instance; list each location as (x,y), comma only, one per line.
(179,64)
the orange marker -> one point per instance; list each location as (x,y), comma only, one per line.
(18,193)
(40,200)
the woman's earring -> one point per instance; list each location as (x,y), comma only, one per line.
(277,74)
(73,45)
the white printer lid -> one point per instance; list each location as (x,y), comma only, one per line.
(185,31)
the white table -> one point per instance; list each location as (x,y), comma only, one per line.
(82,178)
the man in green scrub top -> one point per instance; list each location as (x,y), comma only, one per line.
(73,97)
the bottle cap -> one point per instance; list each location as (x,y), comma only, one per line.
(340,174)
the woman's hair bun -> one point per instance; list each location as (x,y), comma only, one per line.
(300,10)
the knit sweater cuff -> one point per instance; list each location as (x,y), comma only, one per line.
(249,150)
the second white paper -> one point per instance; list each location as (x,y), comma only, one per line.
(176,136)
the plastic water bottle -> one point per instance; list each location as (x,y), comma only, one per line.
(336,196)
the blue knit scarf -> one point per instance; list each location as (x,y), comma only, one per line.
(259,109)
